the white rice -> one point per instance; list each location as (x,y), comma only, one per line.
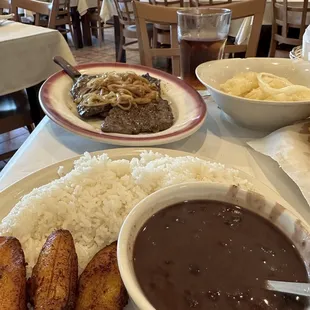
(94,198)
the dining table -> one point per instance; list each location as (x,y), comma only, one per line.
(219,139)
(26,58)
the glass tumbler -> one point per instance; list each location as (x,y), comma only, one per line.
(202,34)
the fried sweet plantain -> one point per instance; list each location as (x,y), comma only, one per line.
(53,284)
(100,284)
(12,275)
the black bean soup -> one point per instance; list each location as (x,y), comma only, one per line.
(214,255)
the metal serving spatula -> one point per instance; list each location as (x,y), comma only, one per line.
(300,289)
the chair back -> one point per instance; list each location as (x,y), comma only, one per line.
(286,16)
(38,7)
(168,15)
(63,8)
(242,9)
(5,5)
(158,15)
(198,3)
(178,3)
(125,12)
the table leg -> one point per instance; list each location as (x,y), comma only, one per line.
(86,30)
(264,41)
(76,26)
(33,97)
(117,35)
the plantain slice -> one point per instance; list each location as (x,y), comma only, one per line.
(53,284)
(100,284)
(12,275)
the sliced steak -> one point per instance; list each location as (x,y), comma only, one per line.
(142,118)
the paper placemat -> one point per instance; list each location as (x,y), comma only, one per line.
(290,148)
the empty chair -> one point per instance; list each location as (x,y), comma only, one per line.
(5,5)
(167,15)
(62,20)
(37,7)
(14,113)
(289,24)
(158,15)
(57,14)
(161,32)
(128,28)
(95,22)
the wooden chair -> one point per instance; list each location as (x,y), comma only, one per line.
(285,18)
(38,7)
(161,33)
(54,15)
(5,5)
(14,113)
(128,29)
(158,15)
(95,22)
(168,15)
(63,18)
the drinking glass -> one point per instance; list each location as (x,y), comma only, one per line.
(202,34)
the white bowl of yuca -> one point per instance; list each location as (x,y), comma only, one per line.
(259,93)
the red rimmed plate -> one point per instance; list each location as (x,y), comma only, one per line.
(187,105)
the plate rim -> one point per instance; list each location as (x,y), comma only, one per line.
(135,151)
(136,140)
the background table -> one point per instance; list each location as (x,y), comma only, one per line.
(26,55)
(26,59)
(217,139)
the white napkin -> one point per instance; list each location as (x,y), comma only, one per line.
(290,148)
(107,10)
(306,44)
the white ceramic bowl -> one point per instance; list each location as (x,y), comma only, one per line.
(294,228)
(257,114)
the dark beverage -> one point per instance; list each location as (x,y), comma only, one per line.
(195,51)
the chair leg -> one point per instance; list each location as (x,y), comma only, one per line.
(75,43)
(121,43)
(99,27)
(102,29)
(154,41)
(30,128)
(273,48)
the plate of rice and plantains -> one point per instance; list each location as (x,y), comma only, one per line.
(59,226)
(122,104)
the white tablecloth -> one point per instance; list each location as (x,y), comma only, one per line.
(26,55)
(217,139)
(83,5)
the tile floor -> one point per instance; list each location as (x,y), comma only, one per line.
(106,53)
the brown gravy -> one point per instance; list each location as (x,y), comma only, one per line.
(214,255)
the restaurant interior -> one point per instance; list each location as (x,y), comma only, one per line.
(154,154)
